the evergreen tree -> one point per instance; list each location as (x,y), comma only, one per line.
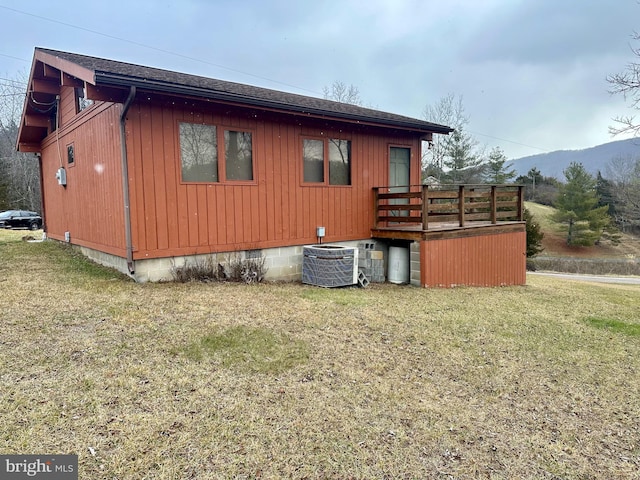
(605,190)
(462,163)
(534,234)
(495,171)
(531,180)
(540,189)
(577,205)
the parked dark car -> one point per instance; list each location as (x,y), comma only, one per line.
(20,219)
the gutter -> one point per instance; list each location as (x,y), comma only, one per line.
(116,80)
(125,180)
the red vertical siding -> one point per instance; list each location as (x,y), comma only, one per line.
(90,207)
(484,260)
(159,183)
(203,215)
(275,209)
(171,148)
(67,109)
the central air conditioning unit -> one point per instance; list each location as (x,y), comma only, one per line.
(330,265)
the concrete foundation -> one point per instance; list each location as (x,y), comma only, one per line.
(282,263)
(414,264)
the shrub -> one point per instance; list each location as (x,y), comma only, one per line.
(238,269)
(534,235)
(198,270)
(247,270)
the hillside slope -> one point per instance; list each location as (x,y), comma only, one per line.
(593,159)
(555,245)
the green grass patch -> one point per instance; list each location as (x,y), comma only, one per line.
(614,326)
(73,262)
(543,214)
(251,349)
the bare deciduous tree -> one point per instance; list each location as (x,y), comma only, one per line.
(20,173)
(340,92)
(455,157)
(624,172)
(627,83)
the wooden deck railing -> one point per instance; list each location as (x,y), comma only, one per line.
(425,204)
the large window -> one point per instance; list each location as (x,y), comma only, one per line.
(198,152)
(313,155)
(338,167)
(238,156)
(202,145)
(339,162)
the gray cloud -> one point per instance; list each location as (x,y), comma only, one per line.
(530,71)
(548,31)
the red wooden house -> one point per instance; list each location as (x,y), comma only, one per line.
(145,168)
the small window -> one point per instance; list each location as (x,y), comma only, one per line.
(82,102)
(339,162)
(313,156)
(198,152)
(71,158)
(338,151)
(238,155)
(53,118)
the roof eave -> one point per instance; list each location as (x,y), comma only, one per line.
(110,79)
(67,66)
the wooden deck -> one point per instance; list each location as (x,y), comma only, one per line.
(426,212)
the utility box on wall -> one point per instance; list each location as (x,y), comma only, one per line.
(61,176)
(329,265)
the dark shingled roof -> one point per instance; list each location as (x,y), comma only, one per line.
(113,73)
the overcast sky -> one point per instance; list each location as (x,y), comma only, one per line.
(531,73)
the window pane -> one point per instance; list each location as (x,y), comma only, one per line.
(238,156)
(71,158)
(198,152)
(313,156)
(82,102)
(339,162)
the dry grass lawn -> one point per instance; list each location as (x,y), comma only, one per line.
(204,381)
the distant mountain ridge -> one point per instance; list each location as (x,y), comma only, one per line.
(593,159)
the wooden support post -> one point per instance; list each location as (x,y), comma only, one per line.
(493,204)
(461,205)
(520,203)
(375,207)
(425,207)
